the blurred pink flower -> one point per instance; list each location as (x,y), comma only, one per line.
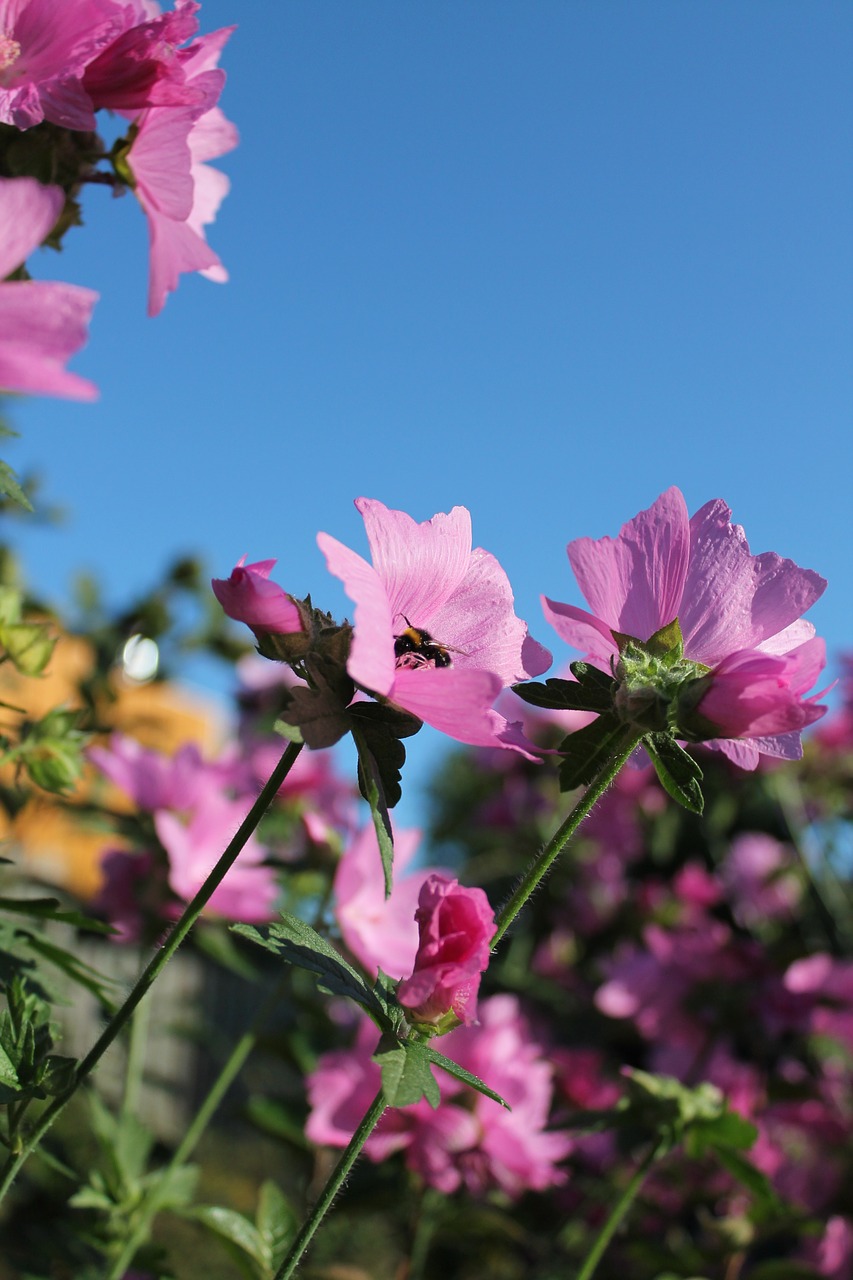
(179,193)
(381,932)
(249,596)
(470,1140)
(435,631)
(42,323)
(249,890)
(761,879)
(45,46)
(740,615)
(155,781)
(456,927)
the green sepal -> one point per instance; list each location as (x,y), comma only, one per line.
(677,771)
(297,943)
(667,643)
(587,750)
(466,1077)
(10,486)
(406,1073)
(568,695)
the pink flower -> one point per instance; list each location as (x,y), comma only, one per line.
(249,596)
(435,631)
(739,615)
(456,927)
(382,933)
(41,324)
(45,46)
(470,1140)
(142,67)
(154,781)
(760,875)
(249,889)
(179,193)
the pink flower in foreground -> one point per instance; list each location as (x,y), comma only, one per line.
(470,1140)
(456,926)
(42,323)
(45,46)
(179,192)
(249,596)
(382,933)
(435,630)
(739,615)
(142,66)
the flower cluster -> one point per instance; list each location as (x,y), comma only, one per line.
(59,65)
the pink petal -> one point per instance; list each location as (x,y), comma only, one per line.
(734,600)
(635,581)
(459,703)
(371,660)
(28,211)
(41,325)
(582,631)
(419,565)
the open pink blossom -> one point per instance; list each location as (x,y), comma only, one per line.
(45,46)
(249,890)
(470,1141)
(179,192)
(435,629)
(42,323)
(456,926)
(382,933)
(156,781)
(249,596)
(733,608)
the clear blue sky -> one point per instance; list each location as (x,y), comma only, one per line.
(541,258)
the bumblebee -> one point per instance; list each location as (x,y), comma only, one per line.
(415,647)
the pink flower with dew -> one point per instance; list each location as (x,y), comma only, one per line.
(141,67)
(382,933)
(739,614)
(45,47)
(456,926)
(249,891)
(42,324)
(470,1140)
(435,630)
(248,596)
(179,192)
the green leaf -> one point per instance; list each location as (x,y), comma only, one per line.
(745,1172)
(587,750)
(472,1081)
(81,973)
(29,645)
(9,485)
(370,786)
(52,909)
(291,732)
(728,1129)
(276,1221)
(320,711)
(301,945)
(568,695)
(678,773)
(233,1227)
(8,1074)
(406,1073)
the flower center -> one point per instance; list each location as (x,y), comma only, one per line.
(10,51)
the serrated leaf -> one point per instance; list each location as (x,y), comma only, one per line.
(467,1077)
(567,695)
(406,1073)
(301,945)
(587,750)
(677,771)
(9,484)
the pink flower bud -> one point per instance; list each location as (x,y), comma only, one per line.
(456,927)
(248,596)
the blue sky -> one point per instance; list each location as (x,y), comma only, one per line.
(540,258)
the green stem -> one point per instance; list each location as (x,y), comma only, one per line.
(618,1212)
(542,862)
(229,1072)
(155,966)
(332,1187)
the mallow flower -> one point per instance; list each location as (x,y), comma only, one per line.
(249,596)
(435,630)
(42,323)
(739,658)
